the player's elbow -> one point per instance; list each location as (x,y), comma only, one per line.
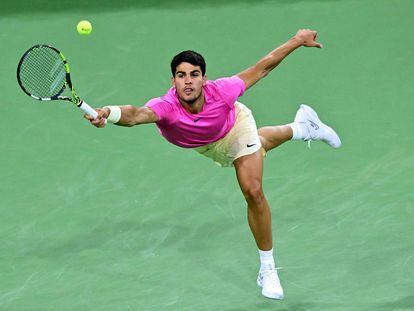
(265,66)
(264,73)
(261,71)
(143,115)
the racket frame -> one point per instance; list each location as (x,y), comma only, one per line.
(68,83)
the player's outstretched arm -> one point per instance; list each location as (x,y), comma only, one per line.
(126,115)
(304,37)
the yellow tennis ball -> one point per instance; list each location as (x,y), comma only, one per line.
(84,27)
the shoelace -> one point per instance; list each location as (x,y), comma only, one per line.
(270,270)
(308,140)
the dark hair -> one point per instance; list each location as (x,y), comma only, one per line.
(188,57)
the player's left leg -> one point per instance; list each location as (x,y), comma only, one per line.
(307,126)
(273,136)
(249,171)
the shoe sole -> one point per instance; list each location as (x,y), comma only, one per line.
(327,128)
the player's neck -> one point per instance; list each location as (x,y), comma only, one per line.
(195,107)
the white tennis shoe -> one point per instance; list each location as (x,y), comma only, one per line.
(317,130)
(269,281)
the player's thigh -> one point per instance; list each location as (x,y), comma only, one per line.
(249,171)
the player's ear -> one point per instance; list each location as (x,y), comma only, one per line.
(172,81)
(204,80)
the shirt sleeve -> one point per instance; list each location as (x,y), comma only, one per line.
(163,110)
(230,88)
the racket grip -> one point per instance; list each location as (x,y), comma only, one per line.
(87,109)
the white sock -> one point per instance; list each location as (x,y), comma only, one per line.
(266,258)
(299,130)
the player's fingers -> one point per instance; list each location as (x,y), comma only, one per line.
(318,45)
(102,122)
(101,113)
(96,122)
(88,117)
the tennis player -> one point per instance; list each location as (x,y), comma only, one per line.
(206,116)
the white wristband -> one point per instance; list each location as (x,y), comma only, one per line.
(115,114)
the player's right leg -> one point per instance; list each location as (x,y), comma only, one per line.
(249,171)
(307,126)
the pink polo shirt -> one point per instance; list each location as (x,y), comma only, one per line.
(213,122)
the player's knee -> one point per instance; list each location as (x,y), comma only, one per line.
(254,194)
(265,143)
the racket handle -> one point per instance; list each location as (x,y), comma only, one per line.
(87,109)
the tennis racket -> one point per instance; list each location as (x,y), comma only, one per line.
(44,74)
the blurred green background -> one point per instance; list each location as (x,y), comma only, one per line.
(119,219)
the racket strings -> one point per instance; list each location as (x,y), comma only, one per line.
(42,72)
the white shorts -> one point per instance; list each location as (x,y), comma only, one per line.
(242,140)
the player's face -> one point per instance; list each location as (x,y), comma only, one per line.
(189,82)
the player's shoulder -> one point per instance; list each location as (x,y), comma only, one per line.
(168,98)
(226,88)
(224,82)
(214,85)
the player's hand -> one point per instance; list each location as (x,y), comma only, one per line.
(307,38)
(100,120)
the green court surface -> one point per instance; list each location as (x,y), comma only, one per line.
(119,219)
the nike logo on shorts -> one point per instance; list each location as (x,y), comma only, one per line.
(250,145)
